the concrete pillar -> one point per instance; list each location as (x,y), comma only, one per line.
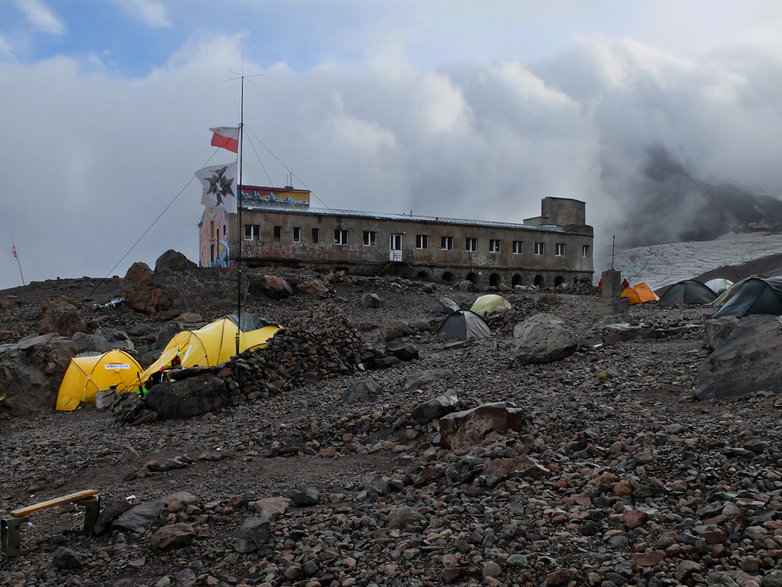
(611,292)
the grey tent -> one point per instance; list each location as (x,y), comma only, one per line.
(689,292)
(461,325)
(757,295)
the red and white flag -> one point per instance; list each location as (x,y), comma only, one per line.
(226,137)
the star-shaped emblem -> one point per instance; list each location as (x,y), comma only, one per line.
(220,185)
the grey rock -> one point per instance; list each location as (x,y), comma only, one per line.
(436,408)
(543,338)
(65,558)
(360,391)
(253,534)
(746,362)
(138,518)
(371,300)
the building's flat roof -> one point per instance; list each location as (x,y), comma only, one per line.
(263,207)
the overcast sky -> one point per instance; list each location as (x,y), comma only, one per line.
(467,109)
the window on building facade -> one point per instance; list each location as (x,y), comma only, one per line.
(422,241)
(446,243)
(518,247)
(251,232)
(472,245)
(559,249)
(340,237)
(494,245)
(540,248)
(316,235)
(584,250)
(296,234)
(278,233)
(370,238)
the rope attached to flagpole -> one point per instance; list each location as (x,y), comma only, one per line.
(18,262)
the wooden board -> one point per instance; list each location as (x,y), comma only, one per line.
(31,509)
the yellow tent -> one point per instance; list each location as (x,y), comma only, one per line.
(485,304)
(640,293)
(210,345)
(86,376)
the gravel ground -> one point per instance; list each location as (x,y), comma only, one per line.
(635,482)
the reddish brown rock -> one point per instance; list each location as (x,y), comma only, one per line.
(172,536)
(634,518)
(649,558)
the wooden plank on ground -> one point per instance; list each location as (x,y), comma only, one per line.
(31,509)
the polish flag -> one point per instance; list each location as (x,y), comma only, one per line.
(226,137)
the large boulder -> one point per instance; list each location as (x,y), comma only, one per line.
(270,286)
(460,430)
(61,315)
(102,340)
(543,338)
(173,260)
(30,373)
(371,300)
(747,361)
(141,290)
(187,397)
(314,287)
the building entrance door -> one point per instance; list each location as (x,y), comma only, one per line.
(395,247)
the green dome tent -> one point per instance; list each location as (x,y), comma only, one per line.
(461,325)
(756,295)
(689,292)
(485,304)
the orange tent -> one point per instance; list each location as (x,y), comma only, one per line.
(640,293)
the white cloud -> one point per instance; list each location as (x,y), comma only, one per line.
(41,17)
(6,52)
(151,13)
(482,140)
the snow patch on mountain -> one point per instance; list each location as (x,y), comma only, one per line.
(666,264)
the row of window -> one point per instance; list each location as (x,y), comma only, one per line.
(252,232)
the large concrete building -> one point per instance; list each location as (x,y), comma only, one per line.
(279,228)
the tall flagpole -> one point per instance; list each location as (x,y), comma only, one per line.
(239,235)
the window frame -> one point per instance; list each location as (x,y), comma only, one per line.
(315,234)
(446,243)
(559,249)
(277,233)
(340,236)
(540,248)
(422,241)
(495,245)
(296,234)
(471,244)
(370,238)
(254,234)
(518,248)
(585,251)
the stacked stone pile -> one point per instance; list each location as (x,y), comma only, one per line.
(328,347)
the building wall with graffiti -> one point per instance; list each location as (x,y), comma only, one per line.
(279,228)
(213,238)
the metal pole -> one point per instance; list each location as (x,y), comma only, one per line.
(613,245)
(18,262)
(239,234)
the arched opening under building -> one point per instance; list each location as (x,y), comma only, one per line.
(473,277)
(422,275)
(447,277)
(495,280)
(517,280)
(538,282)
(559,280)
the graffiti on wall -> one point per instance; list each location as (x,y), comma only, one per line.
(213,238)
(275,195)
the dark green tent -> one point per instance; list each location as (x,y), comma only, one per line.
(689,292)
(461,325)
(757,295)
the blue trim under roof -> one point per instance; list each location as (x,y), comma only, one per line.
(262,207)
